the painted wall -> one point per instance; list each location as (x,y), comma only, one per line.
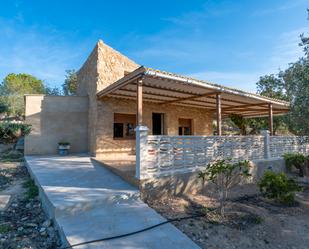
(55,119)
(107,147)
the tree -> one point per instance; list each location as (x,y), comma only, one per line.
(305,41)
(225,175)
(296,78)
(4,108)
(53,91)
(70,84)
(13,88)
(241,122)
(274,87)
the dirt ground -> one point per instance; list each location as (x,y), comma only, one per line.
(251,222)
(23,223)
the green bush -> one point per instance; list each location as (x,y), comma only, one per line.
(299,161)
(10,132)
(294,159)
(279,187)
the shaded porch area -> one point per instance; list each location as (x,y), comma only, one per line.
(162,115)
(125,167)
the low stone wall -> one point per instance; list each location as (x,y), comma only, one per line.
(188,183)
(55,119)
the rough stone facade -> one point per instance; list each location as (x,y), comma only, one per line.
(103,67)
(107,147)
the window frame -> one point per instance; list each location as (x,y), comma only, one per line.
(126,119)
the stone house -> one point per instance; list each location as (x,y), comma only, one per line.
(123,109)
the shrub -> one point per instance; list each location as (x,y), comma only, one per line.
(279,187)
(11,156)
(225,175)
(32,189)
(295,159)
(10,132)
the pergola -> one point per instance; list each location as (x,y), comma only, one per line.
(149,85)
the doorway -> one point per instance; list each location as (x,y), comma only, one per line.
(157,123)
(185,127)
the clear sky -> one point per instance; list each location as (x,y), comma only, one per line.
(227,42)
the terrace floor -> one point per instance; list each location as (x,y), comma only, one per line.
(123,167)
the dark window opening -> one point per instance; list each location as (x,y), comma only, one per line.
(118,130)
(185,127)
(157,124)
(124,126)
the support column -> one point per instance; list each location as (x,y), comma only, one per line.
(141,151)
(141,134)
(265,133)
(270,119)
(219,118)
(139,102)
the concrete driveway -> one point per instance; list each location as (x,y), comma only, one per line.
(89,202)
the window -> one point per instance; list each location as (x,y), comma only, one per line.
(124,125)
(185,127)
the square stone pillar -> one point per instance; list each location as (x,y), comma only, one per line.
(266,135)
(141,151)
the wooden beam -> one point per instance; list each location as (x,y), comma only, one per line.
(154,100)
(219,118)
(245,106)
(190,98)
(270,119)
(139,101)
(145,87)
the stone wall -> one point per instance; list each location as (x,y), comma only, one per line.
(108,147)
(55,119)
(103,67)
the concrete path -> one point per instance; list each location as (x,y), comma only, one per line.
(88,202)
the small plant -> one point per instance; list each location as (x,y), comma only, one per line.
(11,156)
(279,187)
(63,143)
(63,148)
(225,175)
(32,189)
(4,228)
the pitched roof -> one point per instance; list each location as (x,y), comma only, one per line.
(168,88)
(207,83)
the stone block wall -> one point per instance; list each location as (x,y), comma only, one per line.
(103,67)
(55,119)
(107,147)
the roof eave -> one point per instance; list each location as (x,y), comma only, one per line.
(214,87)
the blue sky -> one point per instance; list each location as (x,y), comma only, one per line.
(227,42)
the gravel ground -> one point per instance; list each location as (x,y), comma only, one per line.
(249,223)
(23,224)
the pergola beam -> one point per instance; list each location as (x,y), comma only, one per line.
(191,97)
(169,96)
(245,106)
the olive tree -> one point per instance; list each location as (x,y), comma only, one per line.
(225,175)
